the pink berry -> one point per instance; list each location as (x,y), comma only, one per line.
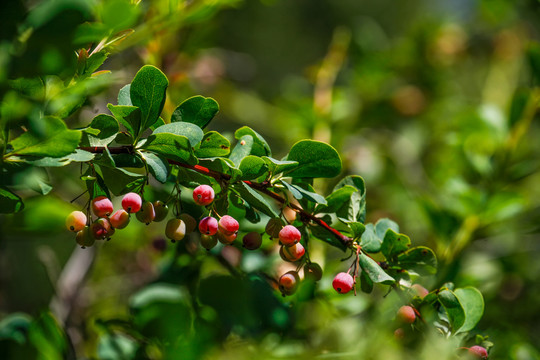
(288,282)
(252,240)
(102,206)
(102,229)
(76,221)
(226,239)
(120,219)
(208,226)
(292,253)
(203,195)
(289,235)
(420,290)
(406,314)
(399,334)
(228,225)
(478,351)
(132,202)
(343,283)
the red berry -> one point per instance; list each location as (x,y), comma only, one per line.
(132,202)
(420,290)
(406,314)
(208,226)
(208,241)
(102,229)
(175,229)
(343,283)
(289,235)
(399,334)
(161,209)
(252,240)
(102,206)
(292,253)
(76,221)
(147,213)
(203,195)
(313,271)
(228,225)
(288,282)
(120,219)
(226,239)
(478,351)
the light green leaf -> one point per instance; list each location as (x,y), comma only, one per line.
(191,131)
(374,271)
(337,200)
(213,144)
(158,166)
(197,110)
(394,243)
(147,92)
(370,242)
(170,146)
(129,116)
(241,149)
(454,309)
(353,209)
(252,167)
(473,305)
(278,166)
(102,131)
(124,97)
(260,146)
(421,260)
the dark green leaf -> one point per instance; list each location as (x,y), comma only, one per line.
(241,149)
(260,146)
(374,271)
(190,178)
(394,244)
(170,146)
(158,166)
(278,166)
(102,131)
(222,165)
(118,180)
(197,110)
(213,144)
(315,159)
(127,160)
(454,309)
(129,116)
(337,200)
(192,132)
(300,193)
(473,306)
(147,92)
(252,167)
(357,228)
(366,285)
(255,199)
(322,234)
(421,260)
(353,209)
(9,202)
(383,225)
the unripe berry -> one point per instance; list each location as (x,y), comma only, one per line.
(85,237)
(343,283)
(273,227)
(208,226)
(420,290)
(102,229)
(313,271)
(406,314)
(288,282)
(399,334)
(228,225)
(289,235)
(132,202)
(119,219)
(292,253)
(102,206)
(252,240)
(226,239)
(203,195)
(76,221)
(191,223)
(175,229)
(208,241)
(478,352)
(146,214)
(161,210)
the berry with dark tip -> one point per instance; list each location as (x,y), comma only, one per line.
(132,202)
(146,214)
(208,241)
(288,282)
(289,235)
(175,229)
(406,314)
(228,225)
(252,240)
(120,219)
(76,221)
(478,352)
(313,271)
(208,226)
(203,195)
(161,209)
(343,283)
(102,206)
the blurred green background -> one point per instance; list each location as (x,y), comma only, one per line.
(432,102)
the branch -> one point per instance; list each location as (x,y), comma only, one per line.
(261,187)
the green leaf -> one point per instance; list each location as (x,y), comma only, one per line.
(300,193)
(124,97)
(48,337)
(9,202)
(127,160)
(53,140)
(370,242)
(197,110)
(158,166)
(260,146)
(15,327)
(374,271)
(279,166)
(315,159)
(213,144)
(190,178)
(116,346)
(473,305)
(366,285)
(421,260)
(147,92)
(254,199)
(394,244)
(102,131)
(454,309)
(192,132)
(129,116)
(241,149)
(120,181)
(353,209)
(222,165)
(382,226)
(357,228)
(252,167)
(170,146)
(324,235)
(337,200)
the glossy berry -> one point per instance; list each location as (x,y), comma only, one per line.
(208,226)
(292,253)
(288,282)
(76,221)
(208,241)
(132,202)
(119,219)
(102,229)
(226,239)
(85,237)
(313,271)
(343,283)
(102,206)
(228,225)
(175,229)
(289,235)
(146,214)
(419,290)
(406,314)
(203,195)
(161,209)
(252,240)
(191,223)
(273,227)
(478,352)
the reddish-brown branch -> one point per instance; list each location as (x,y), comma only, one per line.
(261,187)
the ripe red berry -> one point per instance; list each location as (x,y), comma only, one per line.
(228,225)
(208,241)
(203,195)
(102,206)
(76,221)
(119,219)
(85,237)
(208,226)
(289,235)
(102,229)
(288,282)
(175,229)
(292,253)
(343,283)
(478,351)
(313,271)
(252,240)
(161,209)
(419,290)
(146,214)
(132,202)
(406,314)
(226,239)
(191,223)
